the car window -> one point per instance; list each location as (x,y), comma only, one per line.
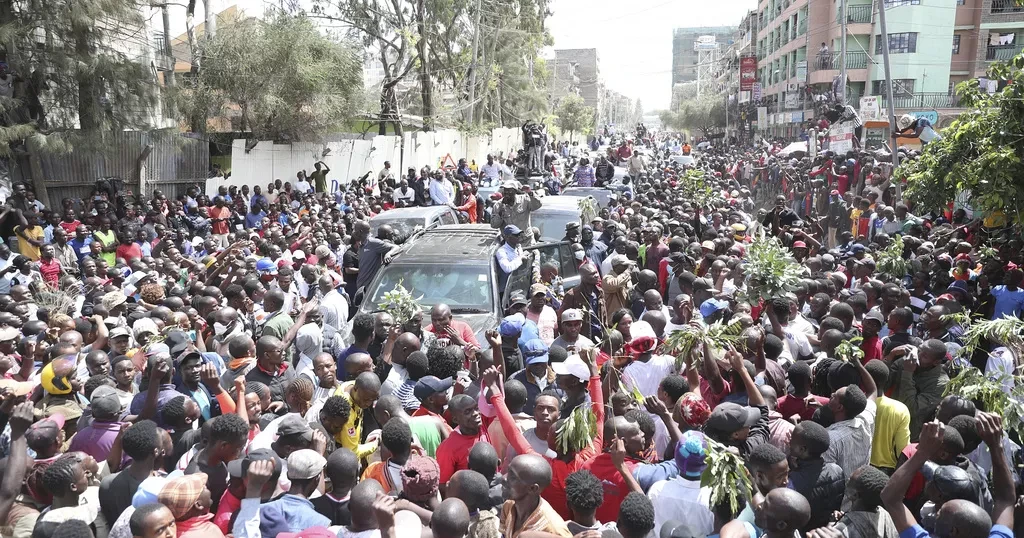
(448,218)
(465,288)
(403,227)
(519,280)
(552,222)
(568,266)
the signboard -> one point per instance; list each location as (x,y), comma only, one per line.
(874,138)
(748,72)
(798,117)
(870,108)
(755,91)
(762,117)
(791,99)
(801,70)
(840,138)
(705,42)
(929,115)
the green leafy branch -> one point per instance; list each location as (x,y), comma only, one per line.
(891,263)
(849,350)
(577,431)
(400,304)
(727,477)
(688,341)
(771,269)
(990,392)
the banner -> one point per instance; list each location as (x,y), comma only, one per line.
(755,91)
(791,99)
(840,138)
(748,72)
(870,108)
(762,117)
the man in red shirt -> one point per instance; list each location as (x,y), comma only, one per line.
(801,402)
(219,215)
(872,344)
(450,331)
(128,250)
(49,266)
(453,453)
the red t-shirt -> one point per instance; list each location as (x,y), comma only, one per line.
(70,227)
(453,453)
(872,348)
(792,405)
(220,226)
(615,488)
(465,332)
(129,252)
(50,271)
(842,183)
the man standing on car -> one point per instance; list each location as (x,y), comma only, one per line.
(515,209)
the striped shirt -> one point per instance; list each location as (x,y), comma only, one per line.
(850,440)
(405,394)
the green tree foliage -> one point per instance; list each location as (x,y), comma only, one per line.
(288,80)
(705,114)
(980,151)
(81,71)
(574,116)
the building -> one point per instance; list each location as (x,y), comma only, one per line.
(619,110)
(684,57)
(933,45)
(588,73)
(564,80)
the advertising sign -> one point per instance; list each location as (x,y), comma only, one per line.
(748,72)
(755,92)
(840,138)
(762,117)
(870,108)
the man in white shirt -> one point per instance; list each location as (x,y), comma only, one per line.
(490,173)
(510,255)
(441,190)
(682,498)
(851,433)
(302,184)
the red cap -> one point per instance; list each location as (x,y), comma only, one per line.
(799,244)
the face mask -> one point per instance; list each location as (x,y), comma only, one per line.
(579,254)
(220,329)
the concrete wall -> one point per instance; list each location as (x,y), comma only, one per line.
(351,159)
(933,20)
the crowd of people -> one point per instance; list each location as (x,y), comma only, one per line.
(196,366)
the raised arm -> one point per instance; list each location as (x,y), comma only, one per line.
(894,492)
(17,462)
(990,427)
(870,388)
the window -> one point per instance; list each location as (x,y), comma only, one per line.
(902,87)
(952,87)
(902,43)
(897,3)
(956,44)
(961,2)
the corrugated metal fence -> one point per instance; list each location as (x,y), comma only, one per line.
(170,162)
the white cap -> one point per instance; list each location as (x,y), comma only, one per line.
(573,366)
(572,314)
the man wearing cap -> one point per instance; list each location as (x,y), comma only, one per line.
(433,396)
(97,438)
(570,337)
(510,255)
(515,209)
(617,284)
(588,298)
(291,512)
(189,502)
(742,427)
(536,376)
(542,315)
(682,498)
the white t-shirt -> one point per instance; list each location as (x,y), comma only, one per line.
(647,376)
(303,186)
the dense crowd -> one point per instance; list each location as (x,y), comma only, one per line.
(198,366)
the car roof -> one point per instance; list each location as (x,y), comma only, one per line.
(561,202)
(463,242)
(409,213)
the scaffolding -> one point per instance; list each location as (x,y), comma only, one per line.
(707,49)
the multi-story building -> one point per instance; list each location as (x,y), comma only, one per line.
(564,80)
(684,56)
(588,71)
(618,110)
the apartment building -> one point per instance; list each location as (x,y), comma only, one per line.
(588,74)
(684,57)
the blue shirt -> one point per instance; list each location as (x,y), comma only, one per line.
(253,221)
(82,248)
(344,355)
(288,513)
(917,531)
(1009,303)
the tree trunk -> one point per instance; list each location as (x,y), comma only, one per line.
(426,88)
(90,117)
(389,109)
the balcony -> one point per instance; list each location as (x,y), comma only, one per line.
(1002,53)
(859,14)
(1006,6)
(831,61)
(924,100)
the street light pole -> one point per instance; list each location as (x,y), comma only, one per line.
(888,85)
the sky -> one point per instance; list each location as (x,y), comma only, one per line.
(633,40)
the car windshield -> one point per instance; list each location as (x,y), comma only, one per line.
(552,223)
(465,288)
(402,227)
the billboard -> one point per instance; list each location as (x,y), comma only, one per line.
(748,72)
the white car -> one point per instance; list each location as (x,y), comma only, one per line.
(683,160)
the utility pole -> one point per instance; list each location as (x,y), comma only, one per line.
(888,86)
(842,52)
(472,67)
(168,54)
(211,19)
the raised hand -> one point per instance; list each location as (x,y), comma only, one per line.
(931,437)
(256,476)
(21,419)
(990,428)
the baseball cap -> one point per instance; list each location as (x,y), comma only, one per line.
(294,424)
(573,366)
(729,417)
(571,225)
(305,464)
(710,306)
(958,286)
(238,468)
(266,265)
(119,331)
(694,410)
(678,529)
(857,247)
(868,262)
(535,351)
(176,341)
(517,297)
(149,491)
(710,245)
(799,244)
(8,333)
(511,229)
(702,284)
(43,432)
(430,385)
(105,402)
(951,481)
(874,315)
(114,298)
(538,289)
(511,325)
(572,314)
(691,452)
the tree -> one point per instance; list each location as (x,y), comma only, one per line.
(705,114)
(574,116)
(979,154)
(288,80)
(77,74)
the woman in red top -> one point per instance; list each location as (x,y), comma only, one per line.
(562,465)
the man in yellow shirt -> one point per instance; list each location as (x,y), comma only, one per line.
(360,394)
(30,237)
(892,422)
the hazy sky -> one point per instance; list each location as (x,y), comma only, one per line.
(633,40)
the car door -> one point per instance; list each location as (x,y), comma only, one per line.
(560,254)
